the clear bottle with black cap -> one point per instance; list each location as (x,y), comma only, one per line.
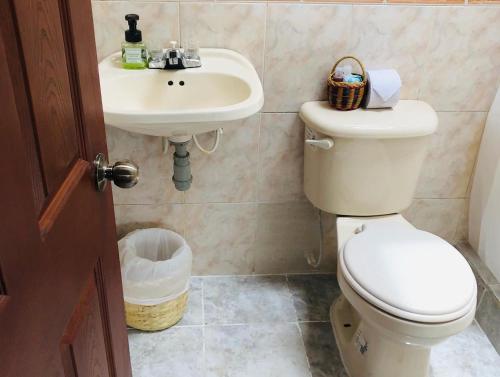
(134,53)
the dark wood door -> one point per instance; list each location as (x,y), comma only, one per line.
(61,309)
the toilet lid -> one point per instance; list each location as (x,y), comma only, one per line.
(409,273)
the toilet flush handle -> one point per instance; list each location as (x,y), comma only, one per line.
(325,143)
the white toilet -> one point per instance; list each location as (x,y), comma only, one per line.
(403,289)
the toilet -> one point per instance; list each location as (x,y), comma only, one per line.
(403,289)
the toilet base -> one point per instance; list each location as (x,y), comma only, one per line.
(366,352)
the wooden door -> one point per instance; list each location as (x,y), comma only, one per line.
(61,309)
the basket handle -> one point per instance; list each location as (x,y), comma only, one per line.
(353,58)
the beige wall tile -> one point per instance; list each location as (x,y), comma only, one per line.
(230,173)
(393,37)
(221,237)
(285,232)
(144,150)
(281,158)
(451,155)
(159,23)
(155,168)
(149,190)
(248,213)
(464,59)
(463,224)
(303,42)
(240,27)
(439,216)
(131,217)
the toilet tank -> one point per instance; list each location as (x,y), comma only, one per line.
(375,161)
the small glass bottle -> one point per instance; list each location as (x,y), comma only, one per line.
(134,53)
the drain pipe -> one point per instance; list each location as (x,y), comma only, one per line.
(182,177)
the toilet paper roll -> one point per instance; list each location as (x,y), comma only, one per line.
(384,86)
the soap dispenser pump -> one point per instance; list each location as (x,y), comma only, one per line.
(134,53)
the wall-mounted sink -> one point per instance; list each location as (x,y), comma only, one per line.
(181,102)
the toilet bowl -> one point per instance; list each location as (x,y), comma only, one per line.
(403,289)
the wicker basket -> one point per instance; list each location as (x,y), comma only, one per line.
(156,317)
(346,95)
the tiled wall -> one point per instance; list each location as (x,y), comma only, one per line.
(246,212)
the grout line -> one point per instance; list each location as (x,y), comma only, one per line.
(470,180)
(314,322)
(266,18)
(256,323)
(259,164)
(204,353)
(305,350)
(256,202)
(479,301)
(203,321)
(298,326)
(183,326)
(252,203)
(248,324)
(264,275)
(202,301)
(179,22)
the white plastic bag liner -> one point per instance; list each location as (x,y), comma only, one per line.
(155,265)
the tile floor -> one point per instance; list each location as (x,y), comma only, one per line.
(272,326)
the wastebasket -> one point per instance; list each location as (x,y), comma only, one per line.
(156,268)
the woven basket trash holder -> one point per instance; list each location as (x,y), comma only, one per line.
(156,268)
(346,95)
(156,317)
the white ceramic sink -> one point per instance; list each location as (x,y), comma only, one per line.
(225,88)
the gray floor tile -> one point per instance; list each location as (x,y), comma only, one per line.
(194,312)
(267,344)
(468,354)
(253,299)
(488,316)
(321,349)
(257,350)
(313,295)
(176,352)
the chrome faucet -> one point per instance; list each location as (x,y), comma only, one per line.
(176,58)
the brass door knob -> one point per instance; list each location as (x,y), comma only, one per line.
(124,174)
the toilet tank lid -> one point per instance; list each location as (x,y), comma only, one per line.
(409,118)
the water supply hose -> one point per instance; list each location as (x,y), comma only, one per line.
(311,258)
(215,144)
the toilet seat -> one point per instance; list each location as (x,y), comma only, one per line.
(408,273)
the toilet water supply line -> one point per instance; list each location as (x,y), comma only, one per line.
(311,258)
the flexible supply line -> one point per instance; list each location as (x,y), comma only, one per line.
(214,146)
(311,258)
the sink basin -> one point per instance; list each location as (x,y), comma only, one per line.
(182,102)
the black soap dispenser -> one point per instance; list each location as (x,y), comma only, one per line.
(134,53)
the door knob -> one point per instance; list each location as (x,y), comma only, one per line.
(124,174)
